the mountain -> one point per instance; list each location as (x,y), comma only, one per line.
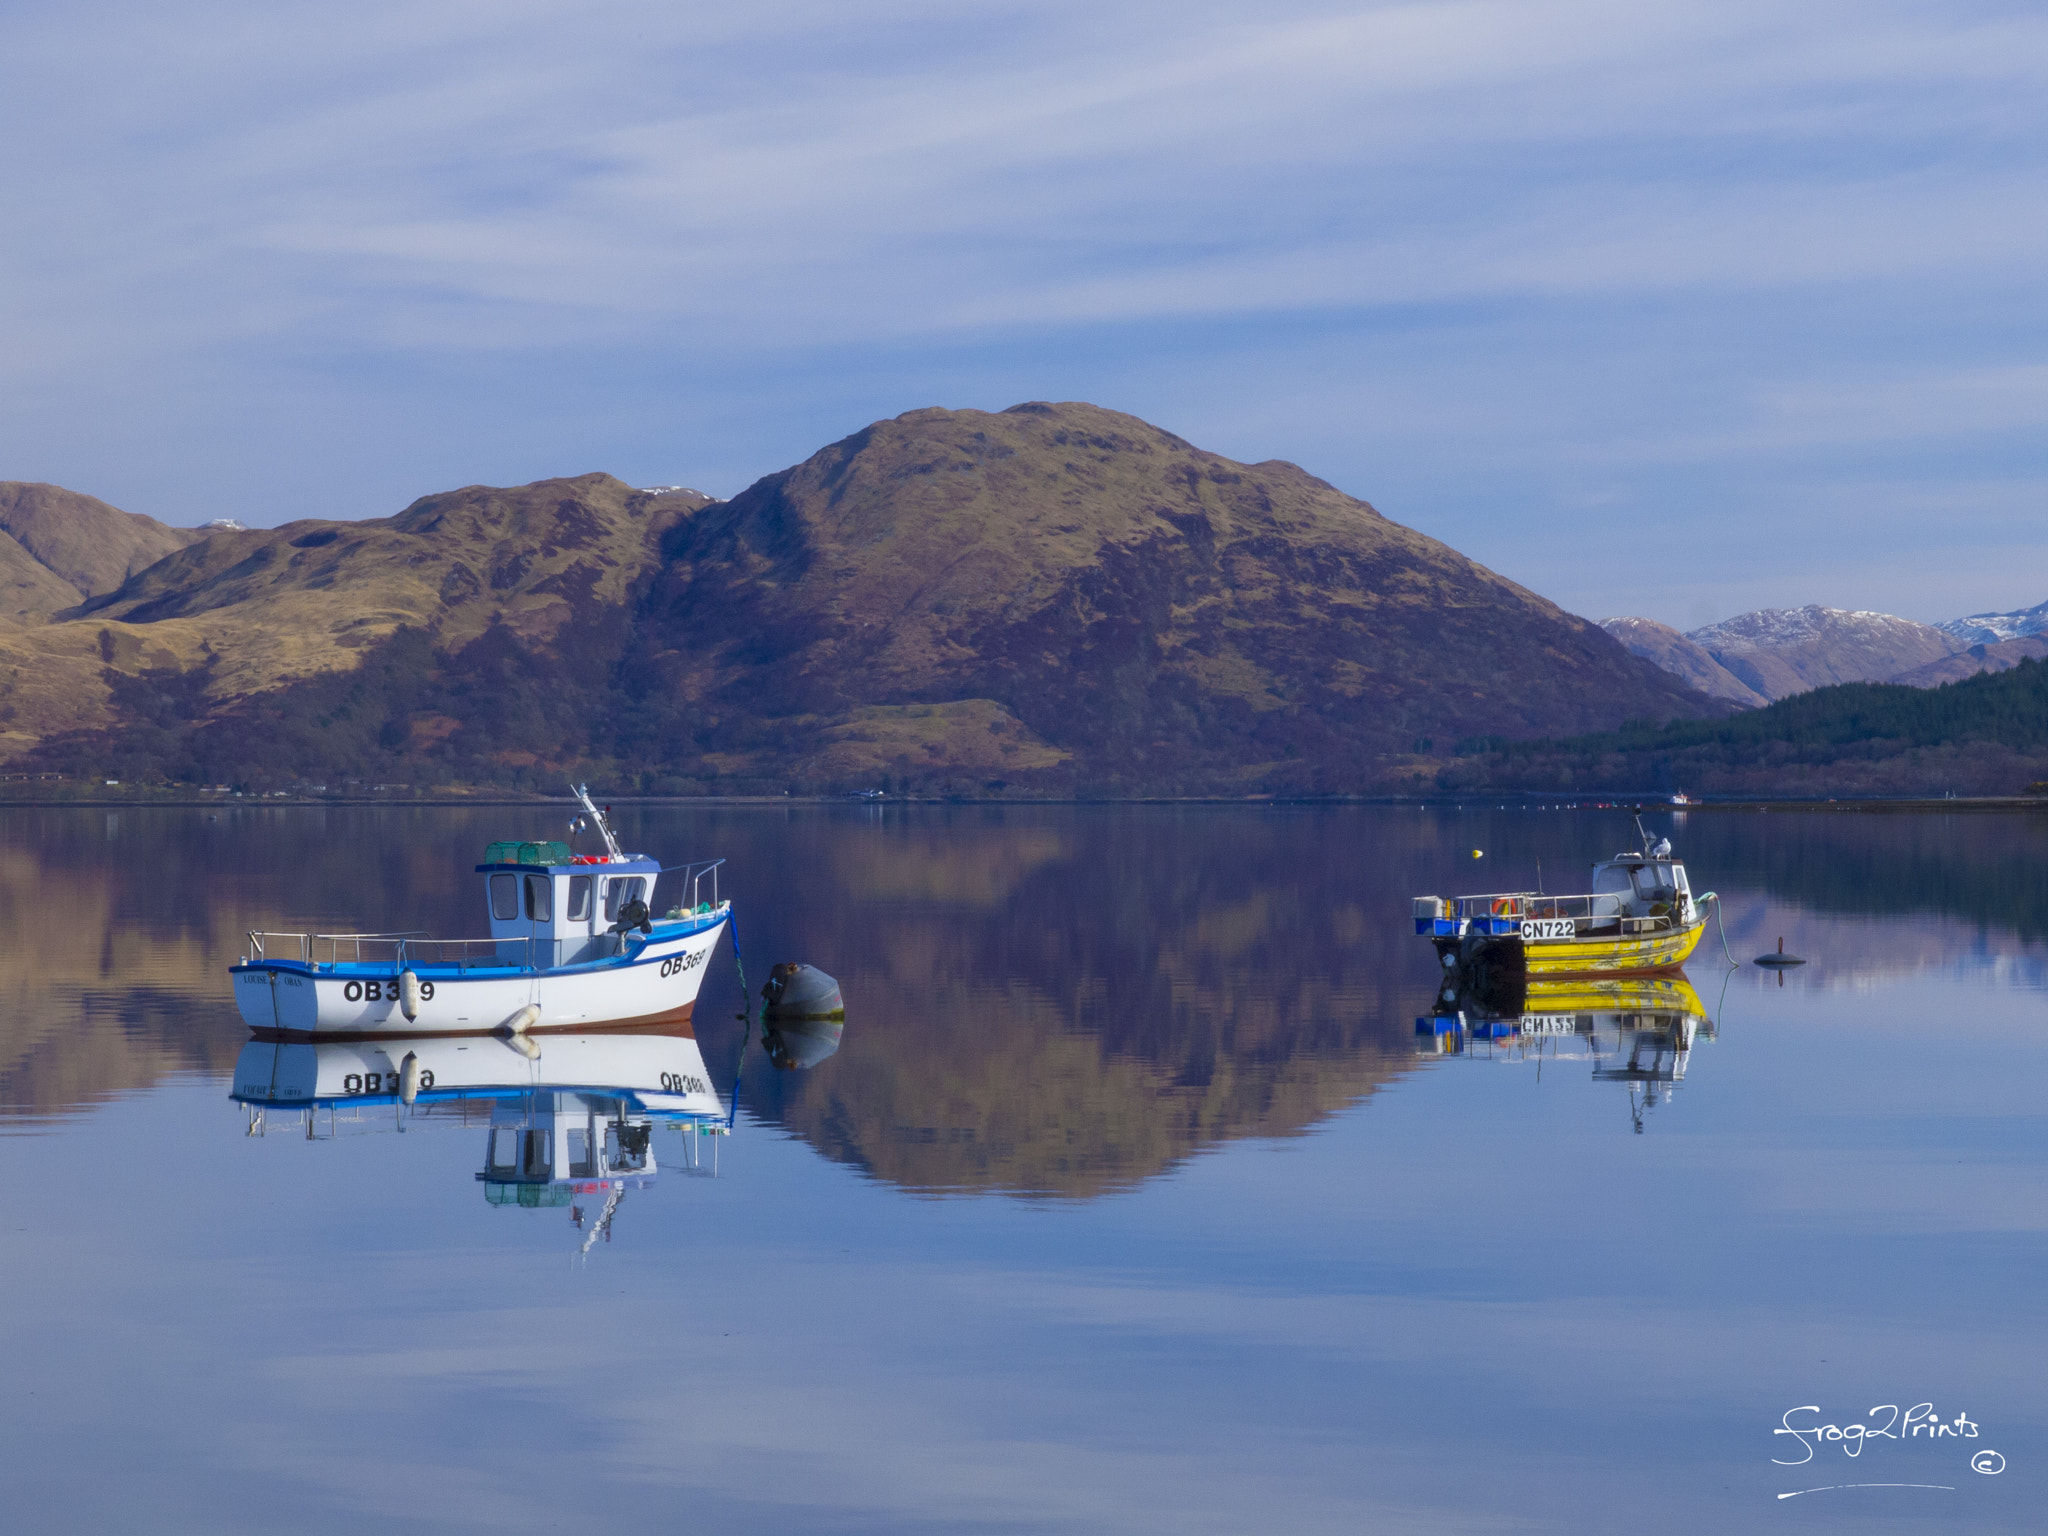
(117,682)
(1071,593)
(1685,659)
(1993,657)
(1783,651)
(58,548)
(1053,596)
(1991,628)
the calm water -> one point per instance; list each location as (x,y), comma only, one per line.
(1133,1200)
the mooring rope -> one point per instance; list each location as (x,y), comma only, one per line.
(1719,927)
(747,1034)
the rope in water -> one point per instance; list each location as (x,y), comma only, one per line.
(1719,927)
(733,1110)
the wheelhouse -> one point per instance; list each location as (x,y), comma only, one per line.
(556,914)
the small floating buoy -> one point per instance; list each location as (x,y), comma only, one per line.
(1780,958)
(797,991)
(408,1076)
(409,995)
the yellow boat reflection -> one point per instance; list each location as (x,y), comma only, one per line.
(1638,1030)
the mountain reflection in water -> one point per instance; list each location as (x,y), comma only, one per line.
(1051,1001)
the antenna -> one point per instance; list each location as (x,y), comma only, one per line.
(604,828)
(1642,834)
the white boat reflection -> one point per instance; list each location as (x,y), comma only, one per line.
(574,1124)
(1639,1031)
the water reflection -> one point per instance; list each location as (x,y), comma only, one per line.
(1636,1031)
(1056,1001)
(798,1045)
(571,1127)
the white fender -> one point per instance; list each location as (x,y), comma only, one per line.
(409,994)
(518,1025)
(408,1075)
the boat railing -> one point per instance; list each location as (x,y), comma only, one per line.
(396,950)
(469,954)
(327,948)
(696,874)
(1519,904)
(1504,911)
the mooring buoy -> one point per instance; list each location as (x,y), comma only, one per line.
(798,991)
(1780,958)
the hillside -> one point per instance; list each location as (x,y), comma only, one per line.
(1995,656)
(1060,592)
(1986,735)
(80,546)
(1683,657)
(1047,597)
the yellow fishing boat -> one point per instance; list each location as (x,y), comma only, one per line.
(1640,915)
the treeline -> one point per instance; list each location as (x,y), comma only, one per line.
(1985,735)
(600,700)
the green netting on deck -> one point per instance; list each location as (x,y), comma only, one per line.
(532,1196)
(527,853)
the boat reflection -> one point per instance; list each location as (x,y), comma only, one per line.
(1638,1030)
(574,1124)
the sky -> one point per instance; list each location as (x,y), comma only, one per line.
(1675,310)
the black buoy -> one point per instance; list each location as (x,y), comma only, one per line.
(798,991)
(1780,958)
(801,1024)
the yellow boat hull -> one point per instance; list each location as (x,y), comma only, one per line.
(1593,956)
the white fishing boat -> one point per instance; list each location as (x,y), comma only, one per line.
(572,945)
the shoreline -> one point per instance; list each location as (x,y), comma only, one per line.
(1523,801)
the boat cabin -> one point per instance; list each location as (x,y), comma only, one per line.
(543,1145)
(1639,885)
(551,913)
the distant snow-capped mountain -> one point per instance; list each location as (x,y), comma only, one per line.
(1759,657)
(1990,628)
(1780,651)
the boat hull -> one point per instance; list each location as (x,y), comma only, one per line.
(1593,955)
(654,988)
(663,1072)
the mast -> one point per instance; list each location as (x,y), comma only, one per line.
(604,828)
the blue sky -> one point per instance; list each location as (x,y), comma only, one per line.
(1675,309)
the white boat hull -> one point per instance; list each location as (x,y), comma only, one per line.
(655,989)
(663,1072)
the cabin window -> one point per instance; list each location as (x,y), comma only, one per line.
(540,904)
(504,897)
(579,898)
(501,1161)
(618,893)
(581,1164)
(537,1155)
